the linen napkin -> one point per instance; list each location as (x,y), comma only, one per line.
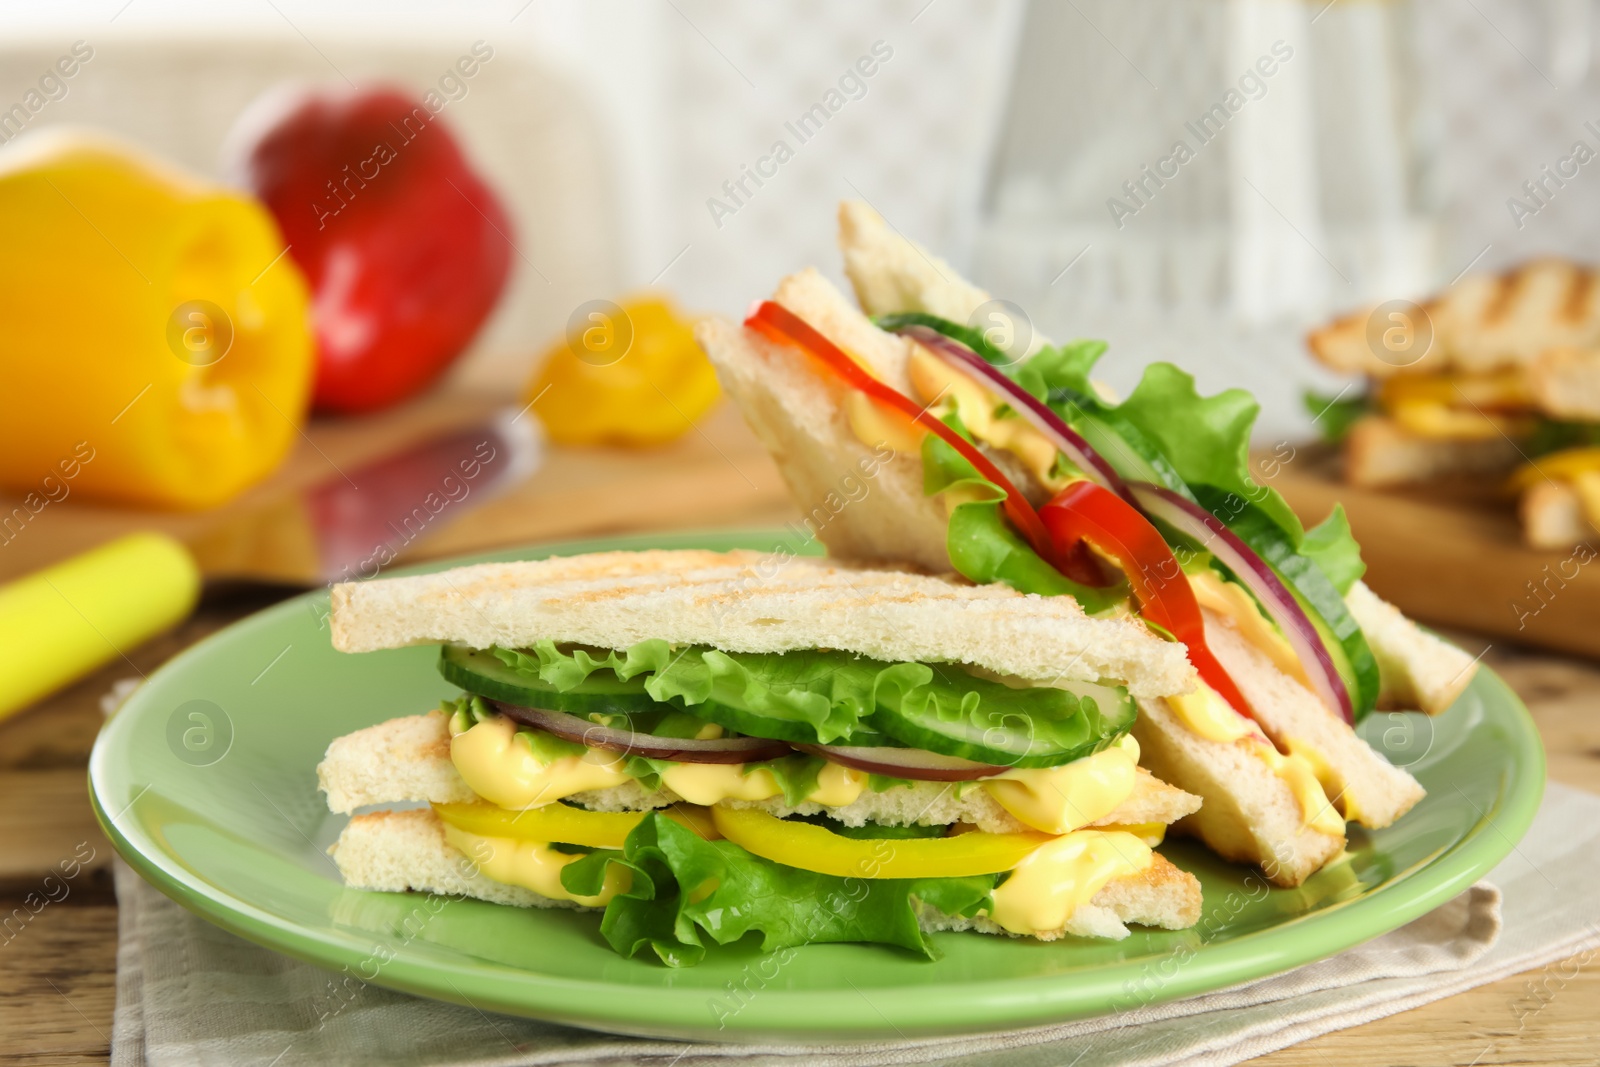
(189,993)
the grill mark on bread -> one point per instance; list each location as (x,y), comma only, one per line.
(1509,287)
(1576,307)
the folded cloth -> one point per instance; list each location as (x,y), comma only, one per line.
(191,993)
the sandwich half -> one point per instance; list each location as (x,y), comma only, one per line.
(1148,510)
(1499,374)
(706,745)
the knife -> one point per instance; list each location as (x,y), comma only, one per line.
(59,623)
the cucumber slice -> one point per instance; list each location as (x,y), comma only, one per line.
(1041,727)
(1341,635)
(482,673)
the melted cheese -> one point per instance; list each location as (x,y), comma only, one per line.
(531,865)
(1060,877)
(504,771)
(1566,465)
(1316,813)
(838,786)
(711,783)
(1058,800)
(1205,714)
(1234,603)
(1333,784)
(935,380)
(874,425)
(1426,418)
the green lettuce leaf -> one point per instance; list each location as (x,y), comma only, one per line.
(796,775)
(1063,368)
(820,696)
(1334,415)
(981,542)
(833,694)
(1331,546)
(1207,439)
(686,891)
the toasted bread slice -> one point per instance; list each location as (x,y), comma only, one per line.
(1565,383)
(394,851)
(1483,323)
(754,602)
(408,759)
(1247,814)
(892,273)
(1552,515)
(1365,787)
(1379,453)
(1416,670)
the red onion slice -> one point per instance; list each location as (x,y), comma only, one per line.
(678,749)
(912,763)
(1024,403)
(1259,577)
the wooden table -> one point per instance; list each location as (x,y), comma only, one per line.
(58,970)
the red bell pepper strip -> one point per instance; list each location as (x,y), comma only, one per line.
(777,322)
(1087,512)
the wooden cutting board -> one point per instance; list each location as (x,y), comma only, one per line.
(716,475)
(1454,557)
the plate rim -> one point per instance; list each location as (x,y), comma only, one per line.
(985,1005)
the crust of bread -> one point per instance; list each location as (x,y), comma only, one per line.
(1552,516)
(754,602)
(865,502)
(1247,813)
(1365,787)
(1378,453)
(395,851)
(1483,323)
(408,760)
(1565,383)
(1417,671)
(892,273)
(1160,895)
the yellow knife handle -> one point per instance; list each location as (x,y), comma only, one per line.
(60,623)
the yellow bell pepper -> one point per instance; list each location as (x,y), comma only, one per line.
(564,824)
(813,848)
(629,375)
(152,324)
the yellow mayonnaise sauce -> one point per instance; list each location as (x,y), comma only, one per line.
(1233,602)
(531,865)
(1207,715)
(504,771)
(1061,799)
(1063,875)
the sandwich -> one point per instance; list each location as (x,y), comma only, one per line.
(1017,469)
(1497,376)
(708,745)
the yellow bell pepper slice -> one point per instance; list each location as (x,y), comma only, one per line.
(629,375)
(157,349)
(1565,465)
(813,848)
(564,823)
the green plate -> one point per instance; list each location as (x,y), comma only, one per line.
(206,783)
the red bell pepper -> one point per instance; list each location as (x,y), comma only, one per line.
(1087,513)
(405,247)
(784,326)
